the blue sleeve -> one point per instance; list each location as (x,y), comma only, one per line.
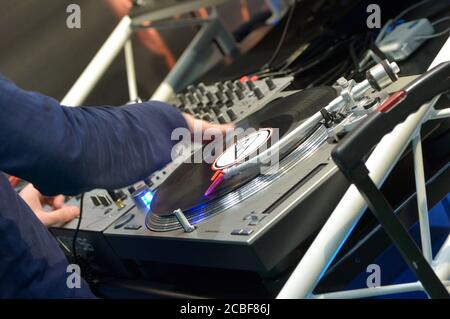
(31,263)
(71,150)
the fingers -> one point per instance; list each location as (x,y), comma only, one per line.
(199,126)
(59,216)
(57,202)
(32,197)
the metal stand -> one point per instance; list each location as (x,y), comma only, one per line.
(190,66)
(347,213)
(396,232)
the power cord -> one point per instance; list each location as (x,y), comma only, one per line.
(86,268)
(77,230)
(275,54)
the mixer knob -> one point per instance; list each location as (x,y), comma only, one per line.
(216,109)
(207,108)
(229,94)
(231,114)
(190,98)
(239,94)
(251,85)
(198,98)
(220,86)
(195,108)
(191,88)
(219,96)
(209,97)
(239,85)
(221,119)
(229,85)
(201,88)
(207,118)
(259,94)
(270,84)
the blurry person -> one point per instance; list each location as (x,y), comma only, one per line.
(150,38)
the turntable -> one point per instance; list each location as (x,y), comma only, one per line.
(251,220)
(228,213)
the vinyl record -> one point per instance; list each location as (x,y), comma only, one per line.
(185,187)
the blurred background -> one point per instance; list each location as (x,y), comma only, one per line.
(40,53)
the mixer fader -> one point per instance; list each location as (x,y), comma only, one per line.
(229,101)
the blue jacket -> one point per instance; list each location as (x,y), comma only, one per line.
(66,150)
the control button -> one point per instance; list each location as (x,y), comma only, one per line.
(201,88)
(133,226)
(195,109)
(219,95)
(191,88)
(251,85)
(95,200)
(123,220)
(255,220)
(220,86)
(198,97)
(121,194)
(229,85)
(258,93)
(239,85)
(231,114)
(209,97)
(242,232)
(207,118)
(221,119)
(207,108)
(248,216)
(131,190)
(229,94)
(270,84)
(148,181)
(107,211)
(104,200)
(190,98)
(216,109)
(239,94)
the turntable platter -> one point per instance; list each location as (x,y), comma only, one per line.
(185,188)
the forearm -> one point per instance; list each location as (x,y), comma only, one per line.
(70,150)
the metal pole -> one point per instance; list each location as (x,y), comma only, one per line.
(421,194)
(376,291)
(131,72)
(441,263)
(98,65)
(440,114)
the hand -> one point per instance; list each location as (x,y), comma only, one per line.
(60,214)
(199,126)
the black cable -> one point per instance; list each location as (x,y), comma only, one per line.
(275,54)
(75,235)
(353,55)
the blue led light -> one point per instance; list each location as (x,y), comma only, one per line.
(147,199)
